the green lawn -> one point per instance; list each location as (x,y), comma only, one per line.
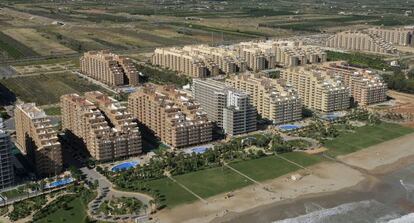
(173,193)
(209,182)
(265,168)
(302,158)
(52,111)
(75,213)
(47,88)
(364,137)
(13,193)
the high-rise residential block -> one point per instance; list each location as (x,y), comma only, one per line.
(360,41)
(6,164)
(171,114)
(109,68)
(273,99)
(204,61)
(366,86)
(182,61)
(37,138)
(398,36)
(318,89)
(229,108)
(101,124)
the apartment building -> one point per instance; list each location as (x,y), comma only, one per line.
(171,114)
(204,61)
(318,89)
(229,108)
(37,139)
(6,164)
(101,125)
(366,86)
(398,36)
(361,41)
(281,53)
(109,68)
(273,99)
(185,62)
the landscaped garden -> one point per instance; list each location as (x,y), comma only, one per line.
(121,206)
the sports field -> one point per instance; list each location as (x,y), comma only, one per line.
(210,182)
(47,88)
(364,137)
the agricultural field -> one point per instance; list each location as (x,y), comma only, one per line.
(364,137)
(47,88)
(34,40)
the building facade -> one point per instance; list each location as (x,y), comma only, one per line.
(109,68)
(361,41)
(318,89)
(171,114)
(6,164)
(366,87)
(397,36)
(229,108)
(102,125)
(37,138)
(273,99)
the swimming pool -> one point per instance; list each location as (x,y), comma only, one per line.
(289,127)
(330,117)
(60,183)
(124,166)
(199,150)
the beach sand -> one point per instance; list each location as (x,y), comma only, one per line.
(324,178)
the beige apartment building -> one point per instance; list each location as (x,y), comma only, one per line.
(187,63)
(37,139)
(273,99)
(366,87)
(280,53)
(171,114)
(205,61)
(360,41)
(101,125)
(398,36)
(318,89)
(109,68)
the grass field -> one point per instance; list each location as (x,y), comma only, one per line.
(209,182)
(265,168)
(47,88)
(75,213)
(364,137)
(52,110)
(174,194)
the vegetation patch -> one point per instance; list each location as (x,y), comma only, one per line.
(47,88)
(121,206)
(360,60)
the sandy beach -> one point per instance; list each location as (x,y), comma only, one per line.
(324,178)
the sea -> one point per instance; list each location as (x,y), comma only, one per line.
(389,200)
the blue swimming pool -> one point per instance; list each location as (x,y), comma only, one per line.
(199,150)
(330,117)
(60,183)
(289,127)
(124,166)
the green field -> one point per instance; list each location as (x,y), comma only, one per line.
(364,137)
(52,111)
(75,213)
(47,88)
(265,168)
(209,182)
(174,194)
(302,159)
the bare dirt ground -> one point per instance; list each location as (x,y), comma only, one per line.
(403,104)
(325,177)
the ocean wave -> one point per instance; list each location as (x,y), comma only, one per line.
(409,218)
(361,211)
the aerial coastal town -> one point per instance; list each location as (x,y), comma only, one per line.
(206,111)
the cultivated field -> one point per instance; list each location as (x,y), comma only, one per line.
(47,88)
(35,41)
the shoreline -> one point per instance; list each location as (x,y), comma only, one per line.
(326,178)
